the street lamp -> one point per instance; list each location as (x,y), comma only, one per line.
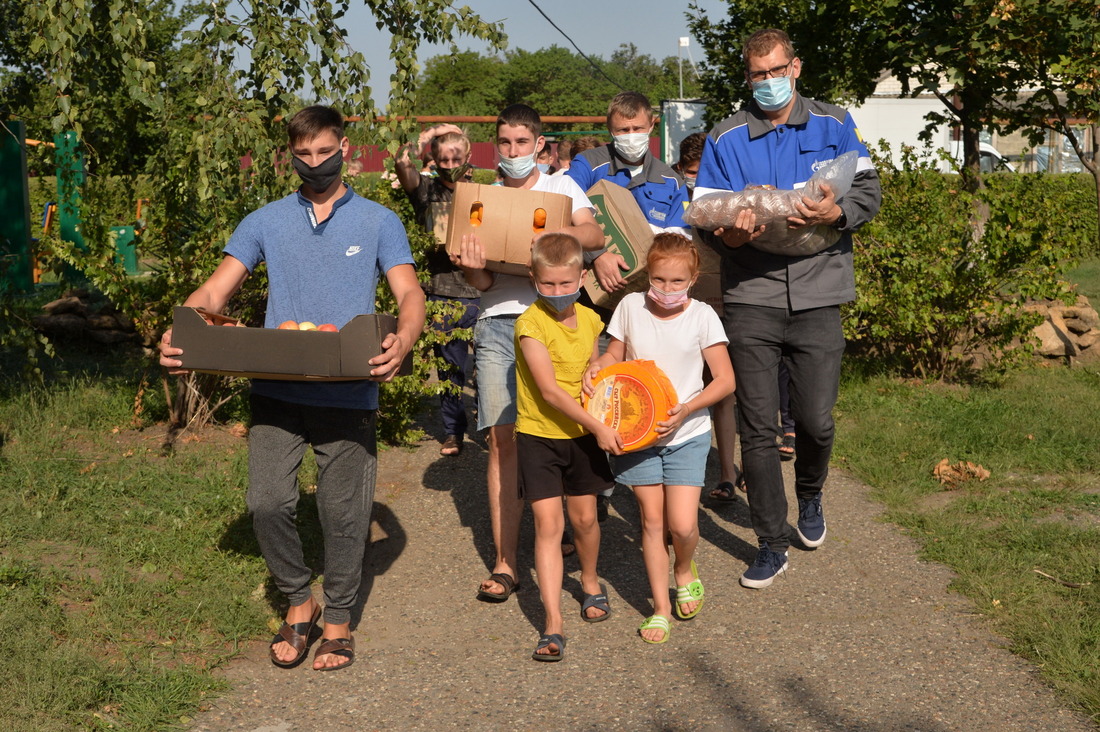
(684,41)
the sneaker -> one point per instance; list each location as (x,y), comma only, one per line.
(811,522)
(767,566)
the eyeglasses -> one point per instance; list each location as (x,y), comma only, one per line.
(777,71)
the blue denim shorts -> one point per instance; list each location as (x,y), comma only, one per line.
(682,464)
(495,360)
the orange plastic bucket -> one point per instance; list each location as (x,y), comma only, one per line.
(632,397)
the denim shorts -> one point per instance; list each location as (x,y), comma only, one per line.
(495,360)
(681,464)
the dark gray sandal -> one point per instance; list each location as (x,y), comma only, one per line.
(544,642)
(599,602)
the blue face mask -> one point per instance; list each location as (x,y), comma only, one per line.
(543,167)
(558,303)
(773,94)
(517,168)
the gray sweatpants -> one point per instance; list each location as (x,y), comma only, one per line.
(343,441)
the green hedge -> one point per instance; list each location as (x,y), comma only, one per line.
(941,274)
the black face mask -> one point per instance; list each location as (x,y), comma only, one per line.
(320,176)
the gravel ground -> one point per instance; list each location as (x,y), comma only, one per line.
(857,635)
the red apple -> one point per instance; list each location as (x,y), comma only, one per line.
(288,325)
(329,327)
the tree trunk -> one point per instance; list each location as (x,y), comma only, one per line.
(968,101)
(1093,166)
(1096,179)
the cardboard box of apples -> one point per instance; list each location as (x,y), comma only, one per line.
(293,351)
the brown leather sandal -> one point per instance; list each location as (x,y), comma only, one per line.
(337,647)
(503,579)
(297,637)
(451,447)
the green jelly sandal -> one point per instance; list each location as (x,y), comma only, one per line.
(655,622)
(691,592)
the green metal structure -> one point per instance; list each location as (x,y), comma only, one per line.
(15,209)
(70,179)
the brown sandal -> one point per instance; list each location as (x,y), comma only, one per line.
(452,446)
(503,579)
(297,637)
(344,647)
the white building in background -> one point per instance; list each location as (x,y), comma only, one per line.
(898,121)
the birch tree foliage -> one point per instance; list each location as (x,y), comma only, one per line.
(244,66)
(1056,44)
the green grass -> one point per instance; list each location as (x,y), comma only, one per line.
(1040,508)
(126,577)
(1087,277)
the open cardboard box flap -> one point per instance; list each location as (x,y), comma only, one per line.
(627,233)
(292,355)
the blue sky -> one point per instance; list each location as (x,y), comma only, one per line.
(598,28)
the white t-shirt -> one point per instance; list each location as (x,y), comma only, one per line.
(676,346)
(510,294)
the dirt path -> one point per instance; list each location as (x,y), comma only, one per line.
(858,635)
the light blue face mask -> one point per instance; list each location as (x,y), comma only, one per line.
(520,167)
(773,94)
(560,302)
(543,167)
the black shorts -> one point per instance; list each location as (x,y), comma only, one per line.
(551,468)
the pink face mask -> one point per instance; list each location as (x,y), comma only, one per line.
(667,300)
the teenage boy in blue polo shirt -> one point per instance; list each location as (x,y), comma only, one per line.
(325,248)
(779,308)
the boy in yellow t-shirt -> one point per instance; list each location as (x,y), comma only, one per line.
(561,447)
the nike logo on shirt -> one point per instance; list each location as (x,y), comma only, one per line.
(352,251)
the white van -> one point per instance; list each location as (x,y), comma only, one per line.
(991,161)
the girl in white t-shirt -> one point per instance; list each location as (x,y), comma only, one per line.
(680,334)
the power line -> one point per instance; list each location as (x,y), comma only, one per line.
(585,57)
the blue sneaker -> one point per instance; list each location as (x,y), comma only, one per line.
(811,522)
(767,566)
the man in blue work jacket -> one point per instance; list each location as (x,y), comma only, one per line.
(627,162)
(785,308)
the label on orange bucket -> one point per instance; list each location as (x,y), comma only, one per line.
(631,397)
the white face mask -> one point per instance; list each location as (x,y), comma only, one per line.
(520,167)
(632,146)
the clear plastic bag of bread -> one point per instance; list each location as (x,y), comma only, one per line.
(772,208)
